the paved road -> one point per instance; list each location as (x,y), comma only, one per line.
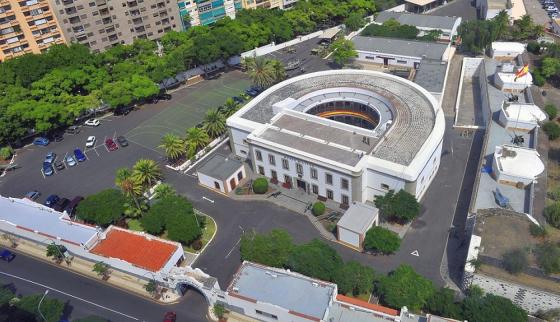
(86,297)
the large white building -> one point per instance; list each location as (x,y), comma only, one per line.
(345,135)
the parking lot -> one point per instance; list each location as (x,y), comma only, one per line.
(302,53)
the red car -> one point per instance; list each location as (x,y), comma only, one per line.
(110,144)
(170,317)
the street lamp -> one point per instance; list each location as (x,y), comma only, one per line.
(39,305)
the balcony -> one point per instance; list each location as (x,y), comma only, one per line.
(137,21)
(67,2)
(132,4)
(107,21)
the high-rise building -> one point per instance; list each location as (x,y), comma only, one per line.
(206,12)
(101,24)
(27,27)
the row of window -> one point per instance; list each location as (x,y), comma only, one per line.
(344,184)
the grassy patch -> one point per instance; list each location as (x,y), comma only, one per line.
(134,224)
(207,233)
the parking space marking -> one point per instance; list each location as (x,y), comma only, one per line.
(209,200)
(233,248)
(43,173)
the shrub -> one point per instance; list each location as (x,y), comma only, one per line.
(260,186)
(318,208)
(554,194)
(6,152)
(552,130)
(382,240)
(552,214)
(405,287)
(548,257)
(538,231)
(197,244)
(515,261)
(219,310)
(534,47)
(551,111)
(102,208)
(538,78)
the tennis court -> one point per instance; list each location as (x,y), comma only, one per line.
(188,107)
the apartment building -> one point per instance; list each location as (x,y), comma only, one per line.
(27,27)
(101,24)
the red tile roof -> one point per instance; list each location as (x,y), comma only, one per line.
(138,250)
(364,304)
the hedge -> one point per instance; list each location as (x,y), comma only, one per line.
(260,186)
(318,208)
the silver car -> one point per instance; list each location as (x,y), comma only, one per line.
(70,161)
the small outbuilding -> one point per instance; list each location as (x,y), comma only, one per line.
(516,166)
(510,50)
(519,116)
(221,173)
(356,221)
(511,83)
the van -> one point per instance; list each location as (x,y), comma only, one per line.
(71,207)
(73,130)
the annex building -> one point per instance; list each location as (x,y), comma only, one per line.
(344,135)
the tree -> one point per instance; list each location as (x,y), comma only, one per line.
(177,215)
(219,310)
(129,185)
(230,107)
(539,231)
(443,303)
(51,309)
(548,257)
(355,279)
(318,208)
(214,123)
(55,252)
(260,186)
(146,172)
(552,214)
(154,219)
(382,240)
(515,261)
(102,208)
(173,146)
(196,139)
(354,21)
(315,259)
(492,308)
(260,71)
(164,190)
(401,207)
(5,295)
(391,28)
(151,287)
(550,66)
(278,70)
(272,249)
(102,269)
(405,287)
(342,50)
(551,110)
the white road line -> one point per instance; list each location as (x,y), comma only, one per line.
(234,246)
(69,295)
(209,200)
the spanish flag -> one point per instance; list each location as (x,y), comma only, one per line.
(521,72)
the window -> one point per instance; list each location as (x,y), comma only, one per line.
(287,179)
(239,175)
(268,315)
(328,178)
(271,159)
(273,174)
(285,164)
(217,185)
(92,4)
(345,199)
(299,168)
(344,183)
(315,189)
(329,194)
(401,61)
(384,186)
(258,155)
(313,173)
(261,170)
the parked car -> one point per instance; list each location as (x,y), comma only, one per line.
(70,161)
(71,207)
(90,142)
(7,255)
(59,165)
(80,156)
(50,157)
(61,204)
(57,137)
(41,141)
(73,129)
(251,92)
(48,169)
(110,144)
(123,110)
(33,195)
(51,200)
(122,141)
(170,317)
(92,122)
(238,99)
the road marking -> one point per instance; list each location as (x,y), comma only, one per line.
(69,295)
(209,200)
(234,246)
(415,253)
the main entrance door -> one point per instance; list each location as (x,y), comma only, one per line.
(232,183)
(301,184)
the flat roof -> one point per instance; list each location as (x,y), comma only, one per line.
(358,218)
(145,251)
(431,75)
(524,113)
(402,47)
(29,215)
(418,20)
(518,161)
(508,46)
(497,4)
(292,291)
(420,2)
(220,167)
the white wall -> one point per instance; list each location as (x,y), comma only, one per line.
(374,179)
(375,58)
(234,176)
(348,236)
(209,182)
(237,141)
(429,172)
(249,308)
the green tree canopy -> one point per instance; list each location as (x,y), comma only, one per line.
(355,279)
(548,257)
(401,206)
(405,287)
(443,303)
(342,51)
(382,240)
(492,308)
(315,259)
(51,309)
(180,220)
(272,249)
(102,208)
(391,28)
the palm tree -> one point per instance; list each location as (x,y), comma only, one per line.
(196,139)
(214,123)
(146,171)
(278,69)
(231,107)
(173,145)
(129,185)
(260,71)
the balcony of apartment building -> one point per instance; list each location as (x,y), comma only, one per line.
(162,14)
(67,2)
(8,20)
(113,37)
(71,10)
(14,41)
(10,32)
(161,5)
(107,20)
(78,30)
(5,10)
(101,3)
(134,13)
(165,21)
(38,13)
(137,21)
(132,3)
(14,51)
(140,29)
(49,41)
(25,6)
(41,23)
(104,12)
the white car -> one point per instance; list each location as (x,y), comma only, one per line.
(92,122)
(90,142)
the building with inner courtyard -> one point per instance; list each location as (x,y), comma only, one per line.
(344,135)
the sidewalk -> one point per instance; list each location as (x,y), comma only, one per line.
(128,283)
